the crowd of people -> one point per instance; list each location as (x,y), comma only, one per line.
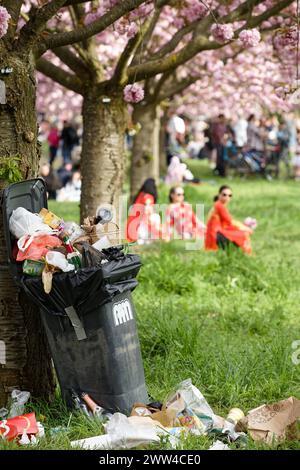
(63,181)
(180,221)
(268,141)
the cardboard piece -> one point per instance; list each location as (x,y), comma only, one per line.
(277,421)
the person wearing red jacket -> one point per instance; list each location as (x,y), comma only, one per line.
(222,229)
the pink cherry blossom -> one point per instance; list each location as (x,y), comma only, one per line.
(289,38)
(194,11)
(222,32)
(4,19)
(133,93)
(250,37)
(250,222)
(132,30)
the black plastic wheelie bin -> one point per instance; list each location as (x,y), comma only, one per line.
(89,318)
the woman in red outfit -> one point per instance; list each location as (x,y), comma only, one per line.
(222,229)
(143,224)
(181,217)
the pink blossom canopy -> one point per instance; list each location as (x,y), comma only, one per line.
(4,19)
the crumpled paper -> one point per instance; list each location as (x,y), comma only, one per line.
(277,421)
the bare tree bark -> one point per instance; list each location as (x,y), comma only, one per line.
(102,162)
(145,152)
(26,360)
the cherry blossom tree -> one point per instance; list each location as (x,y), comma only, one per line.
(26,32)
(204,73)
(148,45)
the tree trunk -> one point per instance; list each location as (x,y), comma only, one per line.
(102,161)
(162,145)
(145,152)
(24,357)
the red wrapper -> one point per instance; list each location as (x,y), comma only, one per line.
(13,427)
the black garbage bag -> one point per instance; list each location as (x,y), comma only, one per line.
(85,289)
(90,256)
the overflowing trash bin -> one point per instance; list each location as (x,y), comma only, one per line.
(84,297)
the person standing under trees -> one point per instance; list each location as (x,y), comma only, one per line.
(222,231)
(218,131)
(53,141)
(255,136)
(69,139)
(51,179)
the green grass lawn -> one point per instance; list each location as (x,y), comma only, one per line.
(225,320)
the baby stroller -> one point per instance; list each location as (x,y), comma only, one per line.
(250,162)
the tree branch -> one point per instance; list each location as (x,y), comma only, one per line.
(60,76)
(200,42)
(173,43)
(147,36)
(160,84)
(178,87)
(96,27)
(73,2)
(13,9)
(258,19)
(120,75)
(38,18)
(72,61)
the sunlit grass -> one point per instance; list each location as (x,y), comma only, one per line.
(226,321)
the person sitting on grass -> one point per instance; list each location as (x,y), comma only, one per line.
(222,231)
(143,224)
(181,217)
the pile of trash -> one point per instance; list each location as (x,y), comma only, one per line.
(17,426)
(184,413)
(187,412)
(46,244)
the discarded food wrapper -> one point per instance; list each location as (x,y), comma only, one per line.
(277,421)
(33,268)
(74,231)
(37,247)
(109,230)
(194,404)
(235,415)
(139,409)
(22,423)
(23,223)
(59,261)
(47,276)
(50,219)
(103,243)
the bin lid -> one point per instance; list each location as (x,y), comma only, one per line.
(30,194)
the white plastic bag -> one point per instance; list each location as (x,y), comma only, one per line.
(19,398)
(57,259)
(122,433)
(23,223)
